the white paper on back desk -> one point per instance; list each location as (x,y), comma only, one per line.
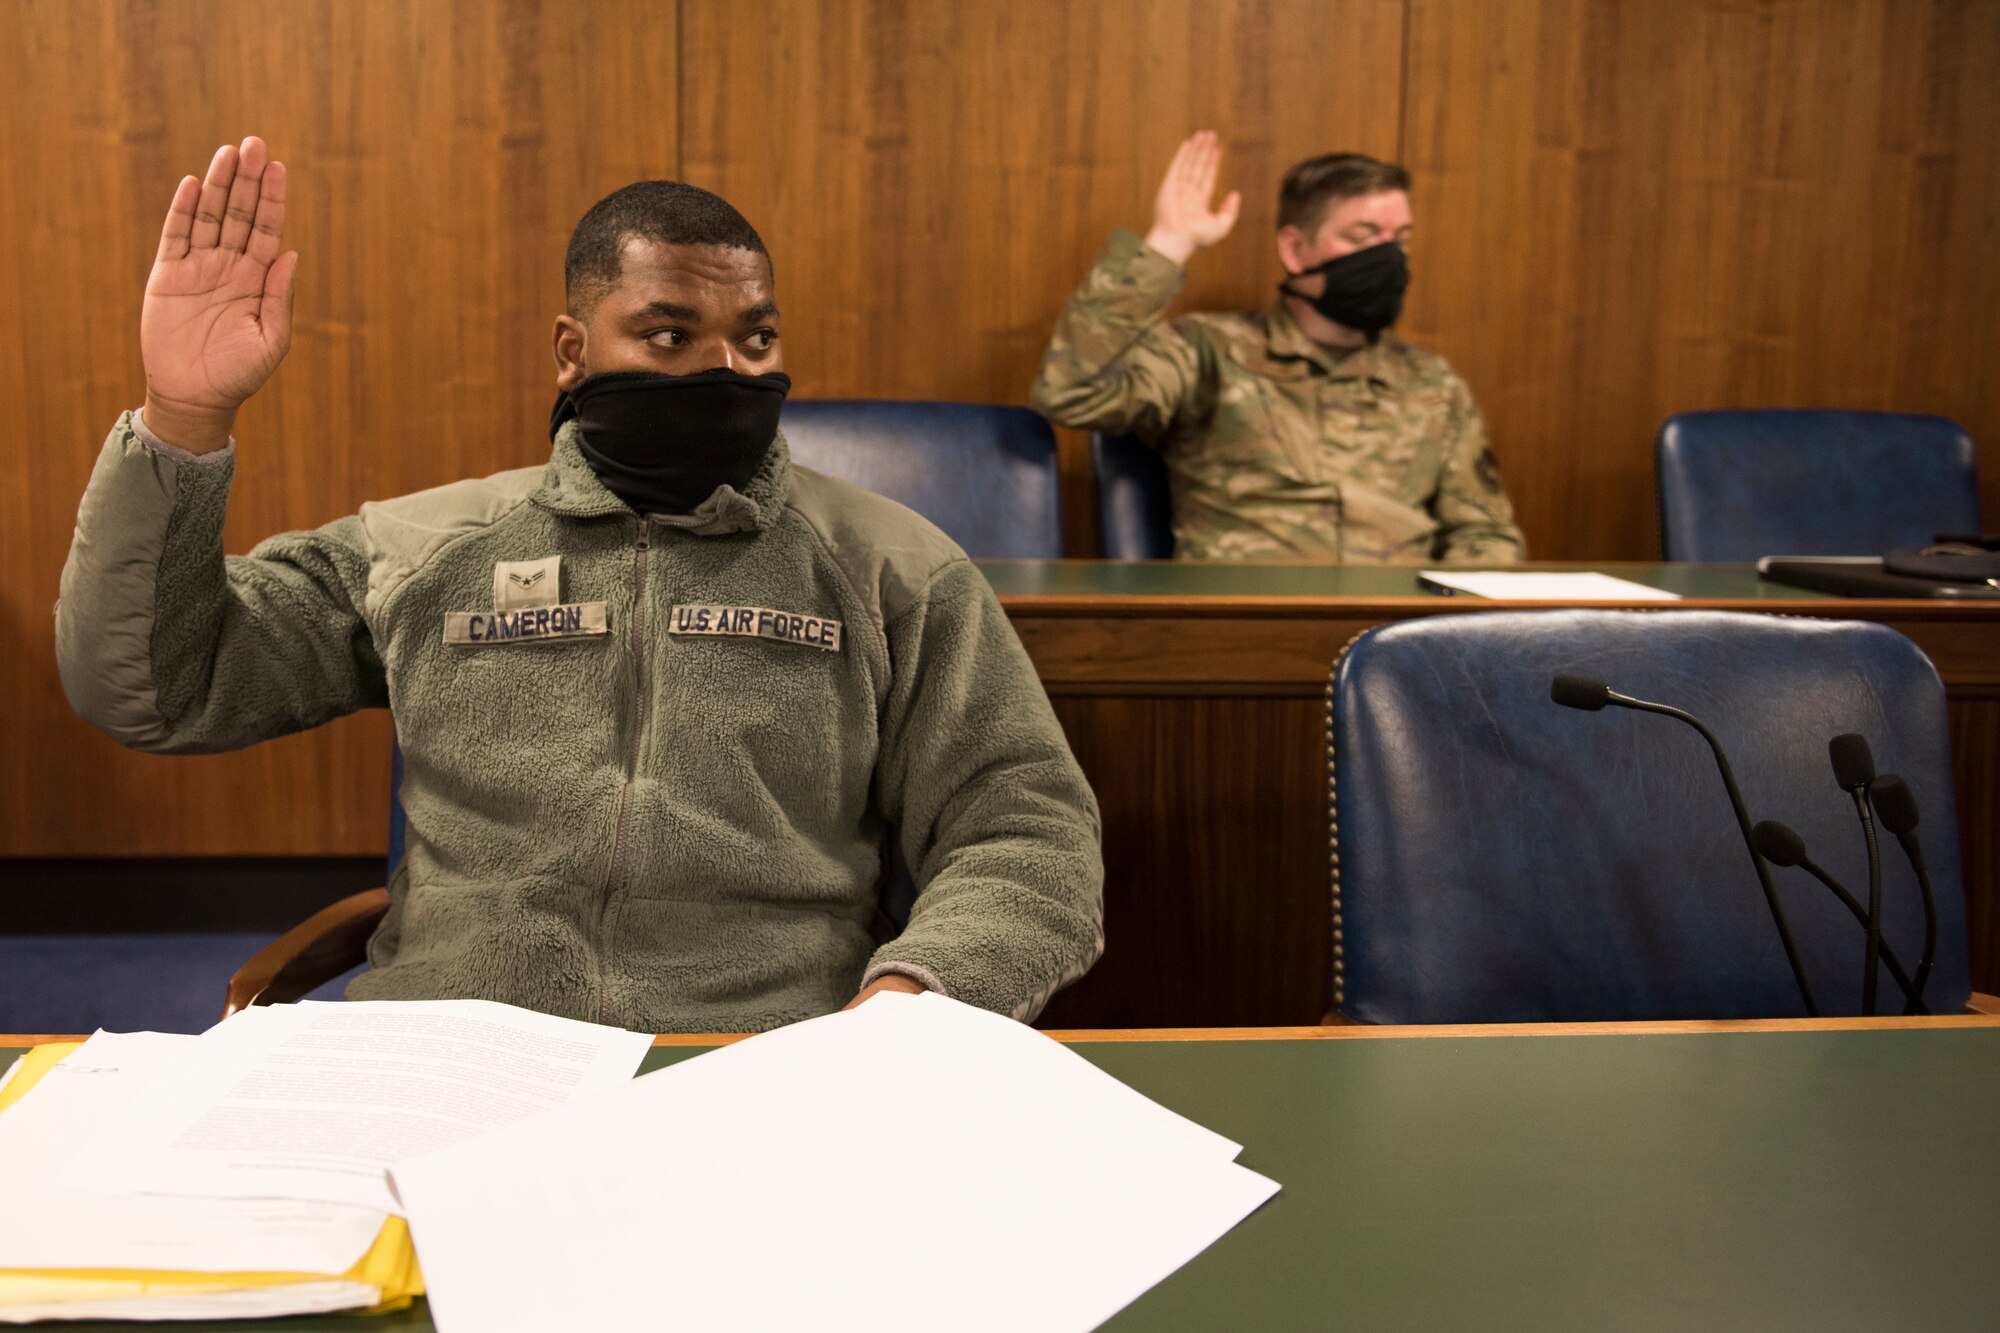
(316,1100)
(1534,586)
(914,1162)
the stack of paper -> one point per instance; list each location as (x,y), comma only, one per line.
(241,1173)
(911,1163)
(317,1100)
(68,1254)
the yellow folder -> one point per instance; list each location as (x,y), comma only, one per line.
(389,1266)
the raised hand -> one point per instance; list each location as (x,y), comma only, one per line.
(1182,220)
(217,318)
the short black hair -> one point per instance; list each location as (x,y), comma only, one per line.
(1317,183)
(670,212)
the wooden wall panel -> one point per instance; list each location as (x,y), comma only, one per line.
(935,179)
(439,155)
(1975,760)
(1217,898)
(1628,208)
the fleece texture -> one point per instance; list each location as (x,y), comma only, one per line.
(667,832)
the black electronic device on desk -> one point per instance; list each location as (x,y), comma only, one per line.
(1954,566)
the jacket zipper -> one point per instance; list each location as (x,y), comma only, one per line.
(613,872)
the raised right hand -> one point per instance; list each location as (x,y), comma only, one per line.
(217,318)
(1182,220)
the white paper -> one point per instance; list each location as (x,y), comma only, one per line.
(317,1100)
(47,1224)
(1533,587)
(834,1175)
(1027,1076)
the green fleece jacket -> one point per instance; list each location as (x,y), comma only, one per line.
(667,803)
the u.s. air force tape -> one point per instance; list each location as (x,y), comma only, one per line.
(756,622)
(574,621)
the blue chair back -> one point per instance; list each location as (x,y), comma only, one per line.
(1135,512)
(1736,486)
(1498,858)
(986,475)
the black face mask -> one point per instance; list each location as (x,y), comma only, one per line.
(663,443)
(1364,289)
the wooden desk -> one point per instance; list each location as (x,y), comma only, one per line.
(1194,697)
(1823,1174)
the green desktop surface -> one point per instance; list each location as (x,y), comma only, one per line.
(1819,1180)
(1167,578)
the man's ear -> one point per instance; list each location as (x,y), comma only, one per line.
(571,341)
(1292,248)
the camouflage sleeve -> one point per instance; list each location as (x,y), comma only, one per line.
(1475,518)
(168,645)
(1113,364)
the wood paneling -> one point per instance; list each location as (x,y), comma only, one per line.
(935,179)
(1217,903)
(1975,761)
(439,155)
(1629,208)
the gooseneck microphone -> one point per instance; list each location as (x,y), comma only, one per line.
(1589,695)
(1782,846)
(1580,692)
(1854,769)
(1897,809)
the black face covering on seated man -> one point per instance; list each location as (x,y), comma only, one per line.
(663,443)
(1364,289)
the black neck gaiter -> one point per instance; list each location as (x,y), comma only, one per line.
(663,443)
(1363,289)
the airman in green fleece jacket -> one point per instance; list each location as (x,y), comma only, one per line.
(663,703)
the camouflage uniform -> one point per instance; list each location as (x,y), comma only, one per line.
(1279,447)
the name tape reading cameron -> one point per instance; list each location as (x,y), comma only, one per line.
(757,622)
(573,621)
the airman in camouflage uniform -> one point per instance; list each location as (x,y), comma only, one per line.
(1278,446)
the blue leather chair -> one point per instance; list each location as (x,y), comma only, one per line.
(1736,486)
(1497,858)
(986,475)
(1135,512)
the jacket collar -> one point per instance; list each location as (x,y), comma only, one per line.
(1284,341)
(571,489)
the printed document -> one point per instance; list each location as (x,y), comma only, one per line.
(913,1162)
(45,1224)
(316,1100)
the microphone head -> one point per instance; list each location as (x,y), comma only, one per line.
(1777,843)
(1894,805)
(1579,692)
(1853,765)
